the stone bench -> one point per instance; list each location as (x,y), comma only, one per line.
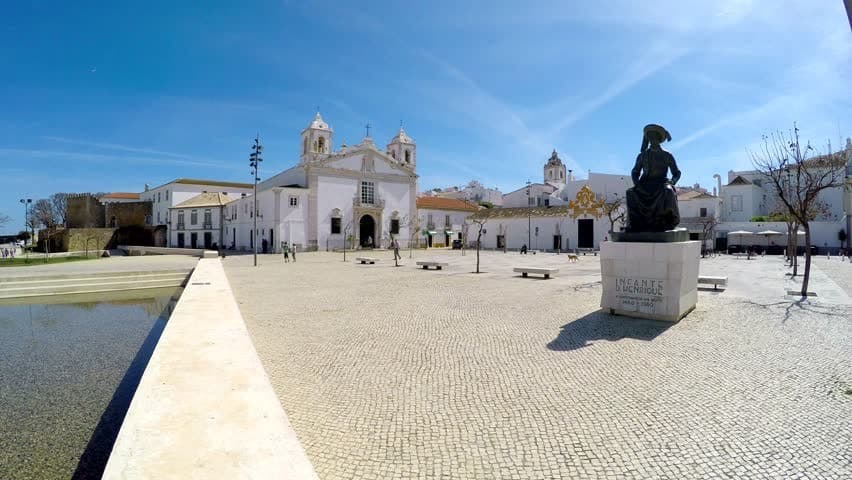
(437,265)
(715,281)
(366,260)
(525,271)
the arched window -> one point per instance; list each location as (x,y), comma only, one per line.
(561,174)
(321,144)
(393,154)
(305,146)
(550,174)
(408,156)
(315,146)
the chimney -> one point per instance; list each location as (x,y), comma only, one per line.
(570,175)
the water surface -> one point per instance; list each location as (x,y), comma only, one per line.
(67,375)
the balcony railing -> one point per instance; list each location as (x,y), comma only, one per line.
(181,226)
(377,202)
(207,225)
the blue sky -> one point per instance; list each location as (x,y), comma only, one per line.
(106,97)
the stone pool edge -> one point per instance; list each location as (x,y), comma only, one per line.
(205,407)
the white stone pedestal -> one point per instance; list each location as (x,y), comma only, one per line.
(658,281)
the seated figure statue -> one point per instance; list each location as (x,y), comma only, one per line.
(652,202)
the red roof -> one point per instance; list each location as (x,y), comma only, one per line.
(439,203)
(122,195)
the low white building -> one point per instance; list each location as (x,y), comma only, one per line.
(199,221)
(474,192)
(357,194)
(179,190)
(442,220)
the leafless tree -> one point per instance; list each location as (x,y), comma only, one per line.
(480,223)
(347,236)
(708,226)
(4,219)
(614,211)
(43,213)
(798,177)
(413,231)
(59,203)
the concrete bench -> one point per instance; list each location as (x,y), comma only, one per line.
(366,260)
(437,265)
(547,272)
(715,281)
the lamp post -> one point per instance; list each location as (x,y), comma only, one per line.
(27,202)
(529,216)
(254,161)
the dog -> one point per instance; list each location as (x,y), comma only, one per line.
(572,258)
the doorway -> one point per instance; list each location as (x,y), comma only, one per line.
(193,240)
(208,240)
(586,233)
(367,230)
(180,241)
(272,238)
(557,242)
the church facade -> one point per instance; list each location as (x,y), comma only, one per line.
(359,195)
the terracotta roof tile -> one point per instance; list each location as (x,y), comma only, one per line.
(442,203)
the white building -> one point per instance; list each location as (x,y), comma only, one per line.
(474,192)
(199,221)
(749,195)
(358,192)
(561,213)
(170,194)
(441,220)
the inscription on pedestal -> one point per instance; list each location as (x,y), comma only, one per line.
(640,294)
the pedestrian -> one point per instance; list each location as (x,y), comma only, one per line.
(293,251)
(396,255)
(524,249)
(370,241)
(286,251)
(5,252)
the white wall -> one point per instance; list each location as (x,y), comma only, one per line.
(199,228)
(178,193)
(692,207)
(515,230)
(457,221)
(518,198)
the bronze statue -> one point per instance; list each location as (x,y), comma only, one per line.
(652,202)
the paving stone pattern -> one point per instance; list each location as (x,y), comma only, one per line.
(403,373)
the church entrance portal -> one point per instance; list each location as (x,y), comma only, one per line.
(586,233)
(367,231)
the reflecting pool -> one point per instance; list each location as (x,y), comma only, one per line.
(67,375)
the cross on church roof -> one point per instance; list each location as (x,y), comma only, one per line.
(368,129)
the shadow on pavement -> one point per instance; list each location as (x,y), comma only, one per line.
(603,326)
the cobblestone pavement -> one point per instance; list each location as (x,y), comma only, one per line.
(402,373)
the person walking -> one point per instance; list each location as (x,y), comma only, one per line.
(286,250)
(293,251)
(396,255)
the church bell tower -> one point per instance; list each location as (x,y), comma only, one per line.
(554,170)
(316,140)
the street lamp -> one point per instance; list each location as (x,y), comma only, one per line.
(26,202)
(529,216)
(254,161)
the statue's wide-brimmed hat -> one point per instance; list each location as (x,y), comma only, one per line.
(658,129)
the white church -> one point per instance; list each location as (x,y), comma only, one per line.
(359,191)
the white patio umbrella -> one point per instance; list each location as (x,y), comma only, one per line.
(740,233)
(767,233)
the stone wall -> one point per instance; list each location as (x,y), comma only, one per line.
(83,210)
(82,239)
(126,214)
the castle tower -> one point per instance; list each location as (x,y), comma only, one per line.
(316,139)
